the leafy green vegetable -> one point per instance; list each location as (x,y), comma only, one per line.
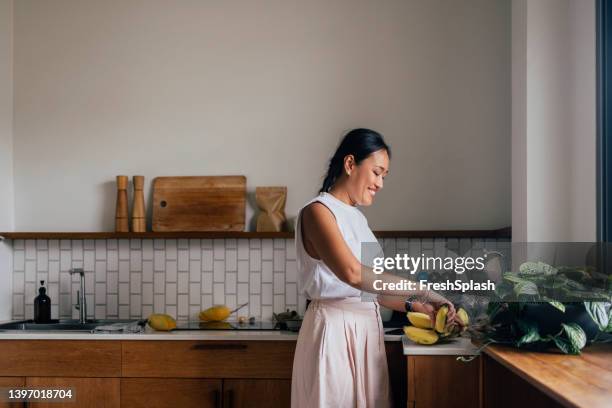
(597,311)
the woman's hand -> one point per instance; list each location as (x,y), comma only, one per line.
(432,308)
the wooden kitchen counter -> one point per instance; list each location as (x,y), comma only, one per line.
(572,381)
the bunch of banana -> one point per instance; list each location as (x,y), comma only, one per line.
(425,331)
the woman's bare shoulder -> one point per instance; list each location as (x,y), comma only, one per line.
(317,213)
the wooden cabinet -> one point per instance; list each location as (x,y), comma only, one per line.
(153,373)
(87,392)
(171,393)
(442,381)
(256,393)
(12,382)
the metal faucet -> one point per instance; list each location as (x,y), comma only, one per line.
(81,305)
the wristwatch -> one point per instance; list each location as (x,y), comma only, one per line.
(408,305)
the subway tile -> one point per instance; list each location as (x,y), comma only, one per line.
(171,250)
(194,311)
(100,271)
(243,271)
(30,249)
(65,305)
(54,271)
(18,306)
(135,244)
(54,250)
(136,260)
(230,301)
(18,282)
(194,270)
(402,243)
(207,260)
(183,260)
(171,271)
(255,282)
(243,294)
(88,260)
(230,243)
(88,244)
(159,244)
(266,293)
(112,282)
(279,261)
(194,293)
(207,301)
(124,249)
(230,260)
(19,260)
(159,305)
(243,249)
(100,293)
(100,250)
(255,243)
(100,312)
(124,293)
(219,293)
(135,282)
(65,260)
(124,271)
(182,243)
(147,293)
(124,311)
(255,260)
(159,261)
(171,310)
(291,271)
(290,249)
(112,260)
(207,282)
(266,313)
(267,249)
(219,271)
(19,244)
(147,271)
(147,310)
(279,303)
(41,244)
(291,294)
(135,306)
(65,244)
(230,283)
(64,281)
(147,249)
(77,250)
(206,244)
(159,282)
(42,261)
(279,243)
(183,282)
(30,271)
(171,293)
(279,283)
(195,250)
(255,306)
(53,292)
(112,244)
(266,271)
(218,250)
(183,306)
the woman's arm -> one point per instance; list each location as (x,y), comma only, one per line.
(321,234)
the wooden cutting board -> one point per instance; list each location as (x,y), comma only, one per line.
(199,203)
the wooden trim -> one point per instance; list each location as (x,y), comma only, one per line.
(499,233)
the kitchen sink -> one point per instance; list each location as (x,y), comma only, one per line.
(60,325)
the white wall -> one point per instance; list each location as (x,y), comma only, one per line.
(263,89)
(6,153)
(553,186)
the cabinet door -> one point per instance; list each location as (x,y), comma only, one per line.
(442,381)
(12,382)
(256,393)
(87,392)
(170,393)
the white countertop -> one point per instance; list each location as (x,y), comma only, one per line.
(459,346)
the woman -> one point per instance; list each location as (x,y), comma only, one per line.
(340,356)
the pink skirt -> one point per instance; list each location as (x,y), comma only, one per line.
(340,358)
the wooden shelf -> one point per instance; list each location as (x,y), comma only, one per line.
(499,233)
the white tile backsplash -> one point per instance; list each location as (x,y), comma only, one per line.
(133,278)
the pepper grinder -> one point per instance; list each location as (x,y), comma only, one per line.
(138,210)
(121,212)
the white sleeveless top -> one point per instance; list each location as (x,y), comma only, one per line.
(315,279)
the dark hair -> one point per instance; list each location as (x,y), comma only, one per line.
(358,142)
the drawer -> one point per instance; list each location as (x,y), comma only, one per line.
(208,359)
(60,358)
(170,393)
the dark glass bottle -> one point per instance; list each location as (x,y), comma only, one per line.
(42,305)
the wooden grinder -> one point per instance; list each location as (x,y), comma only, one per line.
(138,210)
(121,211)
